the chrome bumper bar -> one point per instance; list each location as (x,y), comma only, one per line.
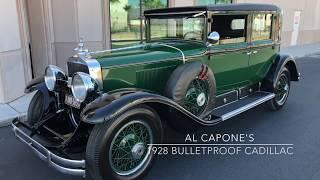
(67,166)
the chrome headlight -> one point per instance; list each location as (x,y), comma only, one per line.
(52,74)
(81,85)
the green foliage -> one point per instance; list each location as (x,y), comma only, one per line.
(127,7)
(114,1)
(152,4)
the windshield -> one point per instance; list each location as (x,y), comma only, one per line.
(187,28)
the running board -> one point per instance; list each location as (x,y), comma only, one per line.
(235,108)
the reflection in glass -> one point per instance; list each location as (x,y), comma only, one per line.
(207,2)
(127,26)
(261,27)
(177,28)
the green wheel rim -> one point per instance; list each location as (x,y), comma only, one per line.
(282,89)
(129,148)
(196,98)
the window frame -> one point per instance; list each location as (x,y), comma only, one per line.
(273,28)
(211,15)
(276,30)
(231,13)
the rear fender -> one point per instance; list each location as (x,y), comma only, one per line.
(281,61)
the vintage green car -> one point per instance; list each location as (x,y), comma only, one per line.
(199,66)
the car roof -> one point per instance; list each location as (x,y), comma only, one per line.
(229,7)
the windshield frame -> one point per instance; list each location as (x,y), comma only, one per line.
(148,18)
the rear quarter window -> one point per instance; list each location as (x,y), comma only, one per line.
(261,27)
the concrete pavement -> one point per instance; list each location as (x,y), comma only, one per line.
(15,109)
(302,50)
(19,107)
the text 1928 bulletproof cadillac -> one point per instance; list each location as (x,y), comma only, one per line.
(199,66)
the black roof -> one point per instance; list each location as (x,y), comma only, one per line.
(229,7)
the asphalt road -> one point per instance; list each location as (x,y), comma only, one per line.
(298,123)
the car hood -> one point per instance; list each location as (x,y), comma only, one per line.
(150,52)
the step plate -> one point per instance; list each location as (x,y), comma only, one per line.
(230,110)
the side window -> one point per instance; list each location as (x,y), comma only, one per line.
(261,27)
(232,28)
(238,24)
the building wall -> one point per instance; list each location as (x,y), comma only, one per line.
(56,27)
(178,3)
(71,21)
(12,51)
(309,28)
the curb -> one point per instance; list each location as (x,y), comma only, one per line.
(15,109)
(6,121)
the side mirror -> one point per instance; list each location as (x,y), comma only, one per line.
(213,37)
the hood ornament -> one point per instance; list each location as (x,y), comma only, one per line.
(81,50)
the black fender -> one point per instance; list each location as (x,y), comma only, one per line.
(31,86)
(40,85)
(104,109)
(270,80)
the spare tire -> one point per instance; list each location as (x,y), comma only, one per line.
(193,87)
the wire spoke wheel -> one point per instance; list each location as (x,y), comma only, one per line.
(196,98)
(129,148)
(282,89)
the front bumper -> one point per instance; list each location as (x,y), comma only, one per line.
(67,166)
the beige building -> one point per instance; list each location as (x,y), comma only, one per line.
(35,33)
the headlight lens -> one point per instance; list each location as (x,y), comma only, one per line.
(52,74)
(81,85)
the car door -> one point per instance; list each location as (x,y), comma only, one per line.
(263,47)
(230,56)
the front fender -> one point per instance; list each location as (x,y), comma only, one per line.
(40,85)
(32,85)
(282,60)
(115,108)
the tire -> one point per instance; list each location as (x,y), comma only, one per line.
(182,86)
(35,109)
(102,153)
(281,90)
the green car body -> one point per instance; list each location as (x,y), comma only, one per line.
(148,66)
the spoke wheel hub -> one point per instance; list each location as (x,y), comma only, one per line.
(201,99)
(128,151)
(137,150)
(196,98)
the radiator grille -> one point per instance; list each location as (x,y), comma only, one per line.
(76,65)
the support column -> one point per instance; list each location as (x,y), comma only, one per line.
(12,52)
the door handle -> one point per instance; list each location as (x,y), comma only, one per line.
(255,52)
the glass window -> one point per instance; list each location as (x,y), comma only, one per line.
(177,28)
(127,27)
(238,24)
(231,28)
(207,2)
(261,27)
